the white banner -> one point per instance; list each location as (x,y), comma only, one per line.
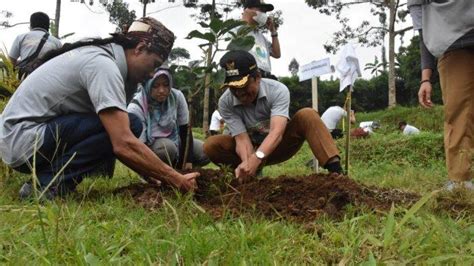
(348,66)
(314,69)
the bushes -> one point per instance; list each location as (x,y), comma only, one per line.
(8,77)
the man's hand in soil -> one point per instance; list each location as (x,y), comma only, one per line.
(186,182)
(247,169)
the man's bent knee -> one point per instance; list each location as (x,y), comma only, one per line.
(215,145)
(209,145)
(305,112)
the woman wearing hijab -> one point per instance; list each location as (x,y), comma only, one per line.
(164,114)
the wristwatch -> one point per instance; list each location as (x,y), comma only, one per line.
(260,155)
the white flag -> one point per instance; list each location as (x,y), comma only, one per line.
(348,66)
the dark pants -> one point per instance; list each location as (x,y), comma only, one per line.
(214,132)
(82,136)
(337,133)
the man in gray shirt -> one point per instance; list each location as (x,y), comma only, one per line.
(26,44)
(256,111)
(69,117)
(447,33)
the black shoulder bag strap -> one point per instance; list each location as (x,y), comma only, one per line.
(38,49)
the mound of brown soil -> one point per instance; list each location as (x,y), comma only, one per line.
(301,198)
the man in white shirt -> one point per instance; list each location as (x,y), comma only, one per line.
(255,15)
(331,118)
(408,129)
(217,123)
(369,126)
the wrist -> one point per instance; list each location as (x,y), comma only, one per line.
(254,156)
(274,34)
(259,154)
(425,80)
(257,160)
(173,176)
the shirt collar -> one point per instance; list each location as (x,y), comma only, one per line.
(39,29)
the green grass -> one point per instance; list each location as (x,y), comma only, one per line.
(423,119)
(97,227)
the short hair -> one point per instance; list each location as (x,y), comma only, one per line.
(39,20)
(401,124)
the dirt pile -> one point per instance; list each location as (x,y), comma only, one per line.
(301,198)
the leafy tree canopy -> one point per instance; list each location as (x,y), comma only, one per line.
(120,15)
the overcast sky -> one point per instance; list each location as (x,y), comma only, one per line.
(302,35)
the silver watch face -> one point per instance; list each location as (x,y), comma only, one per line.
(259,154)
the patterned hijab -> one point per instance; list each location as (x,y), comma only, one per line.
(160,117)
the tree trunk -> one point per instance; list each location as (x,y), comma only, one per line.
(392,99)
(56,19)
(384,48)
(205,111)
(384,54)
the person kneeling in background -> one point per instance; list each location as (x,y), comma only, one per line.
(408,129)
(164,114)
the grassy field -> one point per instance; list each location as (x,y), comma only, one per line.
(96,226)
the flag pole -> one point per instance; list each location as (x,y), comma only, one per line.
(314,93)
(348,132)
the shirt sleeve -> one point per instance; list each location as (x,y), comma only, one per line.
(183,110)
(58,43)
(342,112)
(104,83)
(428,61)
(280,102)
(416,14)
(234,123)
(15,49)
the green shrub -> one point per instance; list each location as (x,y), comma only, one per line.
(9,81)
